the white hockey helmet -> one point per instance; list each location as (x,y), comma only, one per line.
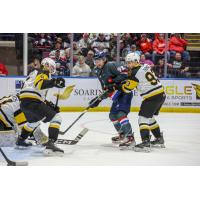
(132,57)
(50,64)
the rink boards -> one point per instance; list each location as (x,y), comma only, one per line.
(183,95)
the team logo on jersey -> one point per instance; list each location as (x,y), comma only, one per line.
(18,84)
(197,89)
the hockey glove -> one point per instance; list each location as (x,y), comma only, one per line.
(110,86)
(95,102)
(127,86)
(53,106)
(59,82)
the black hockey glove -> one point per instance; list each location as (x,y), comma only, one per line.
(95,102)
(59,82)
(53,106)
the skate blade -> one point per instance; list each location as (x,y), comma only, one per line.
(158,146)
(116,142)
(50,153)
(144,150)
(22,147)
(111,145)
(130,147)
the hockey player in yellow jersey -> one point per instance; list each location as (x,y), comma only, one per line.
(13,122)
(32,97)
(142,78)
(11,115)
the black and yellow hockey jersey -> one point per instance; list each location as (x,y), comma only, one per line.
(10,112)
(36,86)
(145,81)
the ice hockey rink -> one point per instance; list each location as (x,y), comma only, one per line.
(181,132)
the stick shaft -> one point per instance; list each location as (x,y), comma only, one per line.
(62,133)
(12,163)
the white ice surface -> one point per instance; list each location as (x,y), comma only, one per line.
(181,132)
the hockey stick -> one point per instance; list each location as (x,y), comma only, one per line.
(63,132)
(76,139)
(12,163)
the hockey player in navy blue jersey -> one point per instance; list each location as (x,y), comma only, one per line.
(110,75)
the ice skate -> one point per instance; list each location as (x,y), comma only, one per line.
(158,142)
(118,139)
(145,146)
(21,143)
(52,150)
(127,143)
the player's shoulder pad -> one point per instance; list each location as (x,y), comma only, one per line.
(44,72)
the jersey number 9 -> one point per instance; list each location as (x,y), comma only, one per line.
(150,76)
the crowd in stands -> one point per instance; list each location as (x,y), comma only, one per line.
(154,49)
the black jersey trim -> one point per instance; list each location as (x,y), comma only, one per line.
(151,90)
(143,124)
(24,91)
(17,112)
(11,124)
(22,123)
(153,123)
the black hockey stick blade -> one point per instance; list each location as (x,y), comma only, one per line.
(75,141)
(12,163)
(64,141)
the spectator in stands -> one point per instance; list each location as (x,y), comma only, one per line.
(178,44)
(3,70)
(89,60)
(93,36)
(34,65)
(113,53)
(81,68)
(126,37)
(145,44)
(58,46)
(62,68)
(159,68)
(43,41)
(85,44)
(133,49)
(113,47)
(123,50)
(113,40)
(59,40)
(144,60)
(101,42)
(76,51)
(179,67)
(159,48)
(66,40)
